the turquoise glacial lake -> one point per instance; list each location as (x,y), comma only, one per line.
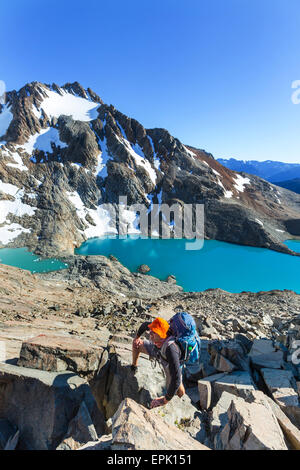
(22,258)
(234,268)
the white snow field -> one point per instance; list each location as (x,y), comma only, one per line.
(42,141)
(55,105)
(11,230)
(240,183)
(5,119)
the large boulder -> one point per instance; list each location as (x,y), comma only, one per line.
(264,354)
(250,426)
(205,390)
(281,385)
(228,355)
(177,411)
(238,383)
(42,404)
(116,381)
(261,346)
(218,415)
(136,428)
(59,353)
(143,269)
(290,431)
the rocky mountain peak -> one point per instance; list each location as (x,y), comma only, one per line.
(64,153)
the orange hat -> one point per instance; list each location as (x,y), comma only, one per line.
(159,326)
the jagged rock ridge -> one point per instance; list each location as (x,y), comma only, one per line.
(64,154)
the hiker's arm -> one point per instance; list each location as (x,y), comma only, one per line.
(173,357)
(142,329)
(137,342)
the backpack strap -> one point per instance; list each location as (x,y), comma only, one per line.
(170,340)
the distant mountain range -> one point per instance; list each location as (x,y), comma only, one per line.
(292,185)
(274,172)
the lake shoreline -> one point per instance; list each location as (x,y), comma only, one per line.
(219,265)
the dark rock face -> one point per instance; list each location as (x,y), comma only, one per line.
(66,153)
(48,398)
(293,226)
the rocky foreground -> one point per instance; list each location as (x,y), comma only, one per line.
(66,382)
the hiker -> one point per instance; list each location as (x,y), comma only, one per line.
(161,347)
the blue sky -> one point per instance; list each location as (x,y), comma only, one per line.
(216,73)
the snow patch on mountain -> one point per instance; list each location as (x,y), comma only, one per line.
(16,207)
(129,220)
(155,157)
(18,162)
(37,182)
(240,182)
(36,112)
(139,158)
(102,159)
(17,159)
(9,189)
(191,154)
(12,230)
(80,109)
(9,232)
(100,216)
(43,140)
(6,117)
(227,194)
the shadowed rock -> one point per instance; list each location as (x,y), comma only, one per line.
(41,404)
(80,431)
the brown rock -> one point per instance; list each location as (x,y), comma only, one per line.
(59,353)
(143,268)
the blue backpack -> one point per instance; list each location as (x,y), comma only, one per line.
(183,330)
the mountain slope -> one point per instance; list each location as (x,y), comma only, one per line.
(65,154)
(268,170)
